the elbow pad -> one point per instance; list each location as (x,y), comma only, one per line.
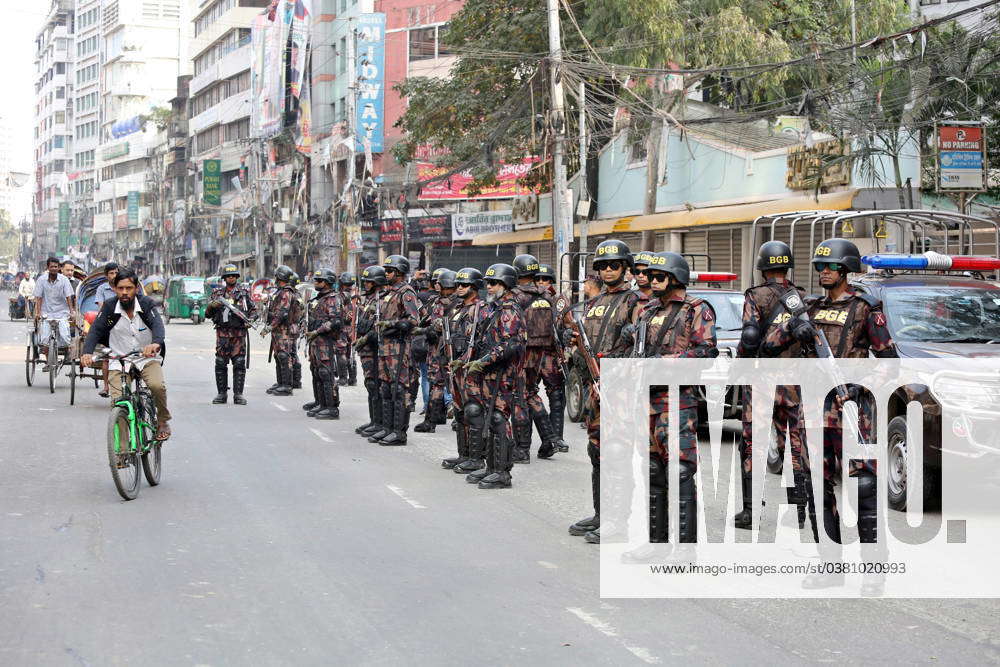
(402,326)
(750,338)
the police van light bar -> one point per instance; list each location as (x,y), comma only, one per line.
(932,261)
(712,277)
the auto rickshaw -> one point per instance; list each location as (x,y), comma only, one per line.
(186,298)
(155,287)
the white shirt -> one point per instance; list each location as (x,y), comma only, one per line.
(131,334)
(54,294)
(26,288)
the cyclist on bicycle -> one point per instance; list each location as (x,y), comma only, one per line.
(132,322)
(54,301)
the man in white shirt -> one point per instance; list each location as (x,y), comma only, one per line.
(26,290)
(54,302)
(128,323)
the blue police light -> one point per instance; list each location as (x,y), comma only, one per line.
(895,261)
(932,261)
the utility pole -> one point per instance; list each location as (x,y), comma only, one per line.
(584,193)
(352,118)
(562,223)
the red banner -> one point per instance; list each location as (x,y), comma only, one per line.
(456,185)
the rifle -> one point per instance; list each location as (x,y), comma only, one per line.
(352,359)
(560,349)
(235,311)
(449,352)
(639,349)
(378,318)
(583,345)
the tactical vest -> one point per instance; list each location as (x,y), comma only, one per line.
(322,308)
(603,318)
(460,323)
(537,308)
(239,298)
(366,314)
(771,312)
(843,322)
(676,337)
(392,302)
(490,333)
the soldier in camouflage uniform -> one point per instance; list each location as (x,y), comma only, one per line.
(642,285)
(347,371)
(400,312)
(854,325)
(540,365)
(297,330)
(604,317)
(431,325)
(230,334)
(674,326)
(372,282)
(284,312)
(493,377)
(546,281)
(762,310)
(324,322)
(467,312)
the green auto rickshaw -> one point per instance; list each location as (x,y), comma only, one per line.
(186,298)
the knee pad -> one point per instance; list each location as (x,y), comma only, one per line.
(687,480)
(657,471)
(473,412)
(239,362)
(220,362)
(282,357)
(867,493)
(371,384)
(324,373)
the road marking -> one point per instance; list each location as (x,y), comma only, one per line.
(319,434)
(402,494)
(546,564)
(610,631)
(279,406)
(47,409)
(200,357)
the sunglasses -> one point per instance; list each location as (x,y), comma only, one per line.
(655,276)
(613,265)
(495,282)
(833,266)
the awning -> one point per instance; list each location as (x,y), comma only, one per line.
(699,217)
(237,258)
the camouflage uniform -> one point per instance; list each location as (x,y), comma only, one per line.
(461,325)
(284,313)
(540,365)
(854,324)
(434,311)
(492,394)
(400,309)
(683,328)
(347,372)
(327,311)
(368,356)
(231,337)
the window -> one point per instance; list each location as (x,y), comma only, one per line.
(60,117)
(343,109)
(206,19)
(60,93)
(208,98)
(58,166)
(207,140)
(58,141)
(637,150)
(60,68)
(342,55)
(238,130)
(86,74)
(238,84)
(422,43)
(84,159)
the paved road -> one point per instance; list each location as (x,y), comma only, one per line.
(275,539)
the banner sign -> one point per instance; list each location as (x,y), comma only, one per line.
(456,185)
(961,158)
(391,230)
(370,119)
(268,38)
(467,226)
(133,209)
(211,181)
(429,228)
(63,240)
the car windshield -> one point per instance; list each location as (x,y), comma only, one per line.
(728,308)
(194,286)
(944,315)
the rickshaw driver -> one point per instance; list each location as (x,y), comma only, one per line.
(53,301)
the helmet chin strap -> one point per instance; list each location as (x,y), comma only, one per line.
(617,281)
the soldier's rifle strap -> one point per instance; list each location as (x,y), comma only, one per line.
(848,325)
(606,320)
(654,350)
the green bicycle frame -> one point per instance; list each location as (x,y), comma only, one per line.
(135,426)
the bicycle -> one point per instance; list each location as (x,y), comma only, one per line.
(53,362)
(131,431)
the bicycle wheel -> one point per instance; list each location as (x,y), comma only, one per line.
(72,381)
(127,476)
(52,359)
(151,457)
(29,362)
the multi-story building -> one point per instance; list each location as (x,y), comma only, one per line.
(53,133)
(141,53)
(84,82)
(932,9)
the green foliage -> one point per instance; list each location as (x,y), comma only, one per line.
(9,239)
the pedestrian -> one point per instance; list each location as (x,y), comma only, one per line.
(463,329)
(373,281)
(431,327)
(347,370)
(674,326)
(231,334)
(604,316)
(854,326)
(325,321)
(763,308)
(283,314)
(398,318)
(493,380)
(540,365)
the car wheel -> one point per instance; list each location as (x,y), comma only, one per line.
(574,396)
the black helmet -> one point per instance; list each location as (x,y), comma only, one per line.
(525,265)
(775,255)
(346,279)
(397,262)
(326,275)
(436,273)
(642,258)
(374,274)
(611,250)
(840,251)
(295,278)
(504,273)
(446,278)
(672,263)
(545,271)
(469,276)
(284,274)
(229,270)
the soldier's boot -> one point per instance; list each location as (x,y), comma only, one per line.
(331,396)
(501,453)
(474,417)
(522,439)
(221,380)
(827,552)
(797,496)
(371,410)
(296,374)
(352,370)
(284,365)
(430,418)
(239,380)
(872,583)
(342,370)
(744,519)
(589,525)
(658,548)
(463,448)
(316,402)
(557,411)
(400,423)
(550,445)
(277,373)
(385,425)
(374,409)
